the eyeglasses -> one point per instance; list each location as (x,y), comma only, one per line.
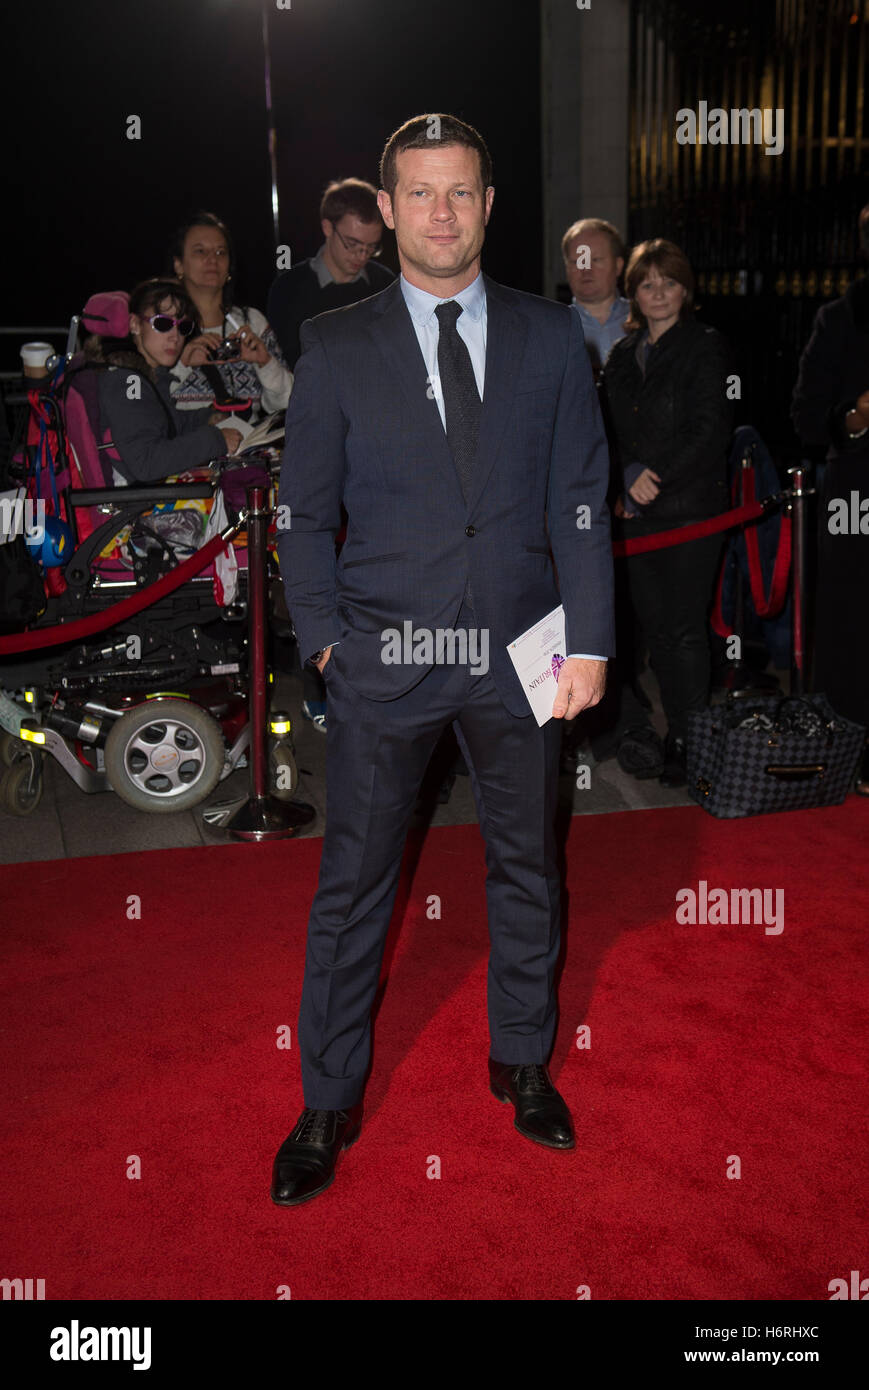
(351,244)
(164,323)
(203,252)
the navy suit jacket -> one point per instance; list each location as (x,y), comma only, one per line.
(363,430)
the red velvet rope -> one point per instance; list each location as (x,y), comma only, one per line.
(765,606)
(768,607)
(737,516)
(98,622)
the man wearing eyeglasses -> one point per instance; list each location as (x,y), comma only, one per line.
(344,270)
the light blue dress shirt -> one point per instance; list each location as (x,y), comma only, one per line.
(600,337)
(471,328)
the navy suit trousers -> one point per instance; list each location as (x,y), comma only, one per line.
(377,754)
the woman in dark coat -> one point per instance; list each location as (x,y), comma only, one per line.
(665,389)
(831,410)
(153,438)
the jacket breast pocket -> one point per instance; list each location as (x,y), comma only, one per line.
(535,383)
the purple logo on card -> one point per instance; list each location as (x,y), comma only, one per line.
(557,663)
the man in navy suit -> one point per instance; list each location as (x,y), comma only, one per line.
(456,422)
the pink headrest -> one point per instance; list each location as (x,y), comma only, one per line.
(108,314)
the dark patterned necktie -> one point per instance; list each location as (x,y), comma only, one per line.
(462,404)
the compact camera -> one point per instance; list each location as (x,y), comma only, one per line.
(227,350)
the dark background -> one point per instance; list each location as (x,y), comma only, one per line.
(770,240)
(91,210)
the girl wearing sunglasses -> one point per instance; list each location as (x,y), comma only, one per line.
(155,440)
(232,363)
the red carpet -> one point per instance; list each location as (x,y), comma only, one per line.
(157,1038)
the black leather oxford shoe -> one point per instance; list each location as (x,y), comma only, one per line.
(541,1114)
(305,1163)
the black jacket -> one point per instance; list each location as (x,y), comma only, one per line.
(834,371)
(296,295)
(155,440)
(676,419)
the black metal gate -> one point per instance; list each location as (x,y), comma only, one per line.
(771,236)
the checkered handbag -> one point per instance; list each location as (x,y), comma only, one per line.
(753,755)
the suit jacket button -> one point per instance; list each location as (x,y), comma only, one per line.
(470,530)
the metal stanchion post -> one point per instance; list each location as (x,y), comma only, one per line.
(738,680)
(797,509)
(261,817)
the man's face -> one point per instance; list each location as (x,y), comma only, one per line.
(599,281)
(439,212)
(351,241)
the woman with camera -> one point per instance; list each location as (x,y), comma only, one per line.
(155,440)
(665,389)
(233,364)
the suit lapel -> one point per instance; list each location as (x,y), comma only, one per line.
(394,334)
(506,332)
(505,343)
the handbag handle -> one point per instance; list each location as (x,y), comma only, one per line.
(801,701)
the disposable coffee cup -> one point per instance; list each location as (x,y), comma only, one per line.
(34,357)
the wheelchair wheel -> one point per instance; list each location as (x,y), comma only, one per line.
(164,756)
(283,773)
(11,749)
(21,785)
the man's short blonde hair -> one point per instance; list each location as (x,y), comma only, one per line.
(594,224)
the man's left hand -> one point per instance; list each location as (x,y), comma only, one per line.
(581,684)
